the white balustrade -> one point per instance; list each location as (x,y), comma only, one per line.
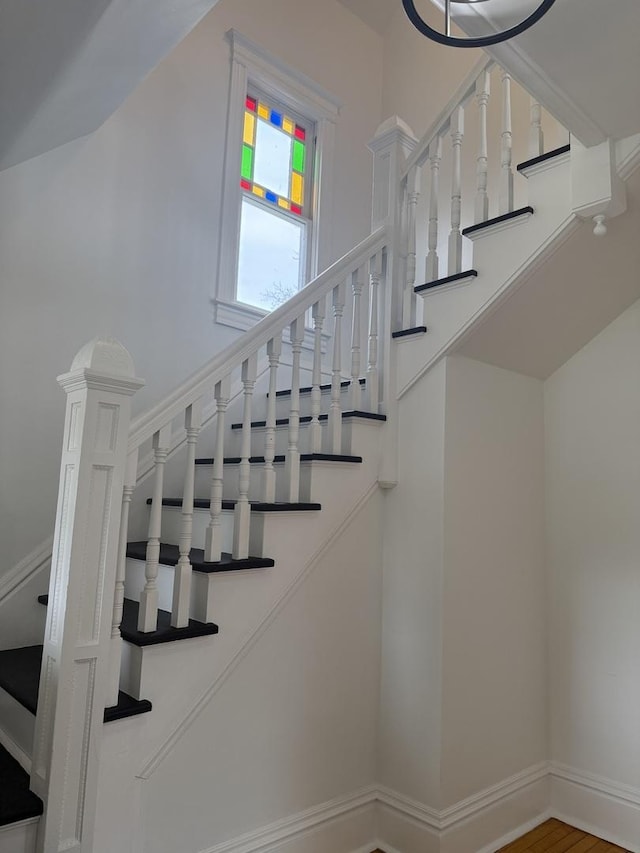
(315,429)
(455,236)
(115,654)
(335,410)
(242,513)
(536,134)
(213,537)
(292,461)
(355,392)
(483,89)
(274,350)
(505,195)
(435,157)
(148,613)
(182,573)
(373,387)
(413,194)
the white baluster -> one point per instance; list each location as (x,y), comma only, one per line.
(115,653)
(242,514)
(274,350)
(373,389)
(315,430)
(292,462)
(335,409)
(182,572)
(148,612)
(213,538)
(455,237)
(483,89)
(536,134)
(355,393)
(506,172)
(410,299)
(435,156)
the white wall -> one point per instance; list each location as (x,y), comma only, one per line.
(592,412)
(117,233)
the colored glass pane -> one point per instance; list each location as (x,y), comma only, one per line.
(283,203)
(246,185)
(288,126)
(298,155)
(276,118)
(300,133)
(258,191)
(272,197)
(263,111)
(295,208)
(249,128)
(247,162)
(251,104)
(297,187)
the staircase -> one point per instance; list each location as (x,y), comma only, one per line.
(194,522)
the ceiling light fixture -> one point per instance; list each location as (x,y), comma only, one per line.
(483,41)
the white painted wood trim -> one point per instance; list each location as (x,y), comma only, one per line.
(516,833)
(23,571)
(281,831)
(600,784)
(545,165)
(16,751)
(498,227)
(443,288)
(628,156)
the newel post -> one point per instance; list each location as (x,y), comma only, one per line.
(75,664)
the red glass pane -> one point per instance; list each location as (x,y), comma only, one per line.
(251,104)
(300,132)
(295,208)
(245,185)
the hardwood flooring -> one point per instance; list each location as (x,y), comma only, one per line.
(553,836)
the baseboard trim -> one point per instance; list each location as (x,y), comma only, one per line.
(25,569)
(516,833)
(281,832)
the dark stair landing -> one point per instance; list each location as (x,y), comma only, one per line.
(17,802)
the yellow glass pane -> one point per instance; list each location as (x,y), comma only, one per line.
(258,191)
(263,111)
(288,125)
(283,203)
(249,128)
(297,186)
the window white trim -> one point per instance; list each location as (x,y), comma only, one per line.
(253,65)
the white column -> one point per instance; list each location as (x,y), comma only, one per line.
(335,410)
(357,286)
(506,172)
(373,387)
(115,654)
(242,513)
(213,537)
(75,661)
(315,430)
(148,612)
(536,134)
(483,89)
(292,461)
(455,236)
(274,350)
(435,156)
(183,572)
(413,194)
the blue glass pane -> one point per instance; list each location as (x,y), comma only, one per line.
(271,196)
(276,118)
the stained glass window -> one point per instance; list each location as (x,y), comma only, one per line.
(274,156)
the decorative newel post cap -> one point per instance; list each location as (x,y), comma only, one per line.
(392,130)
(103,357)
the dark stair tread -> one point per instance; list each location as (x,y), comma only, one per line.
(20,677)
(304,457)
(403,333)
(449,279)
(372,416)
(286,392)
(165,633)
(17,802)
(556,152)
(256,506)
(169,555)
(505,217)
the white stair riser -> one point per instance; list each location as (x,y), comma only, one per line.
(172,523)
(282,439)
(230,482)
(19,837)
(283,404)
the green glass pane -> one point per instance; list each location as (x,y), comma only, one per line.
(247,162)
(298,156)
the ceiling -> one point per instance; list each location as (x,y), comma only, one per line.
(583,287)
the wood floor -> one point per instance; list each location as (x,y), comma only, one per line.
(553,836)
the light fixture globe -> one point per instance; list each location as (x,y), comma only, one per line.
(482,41)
